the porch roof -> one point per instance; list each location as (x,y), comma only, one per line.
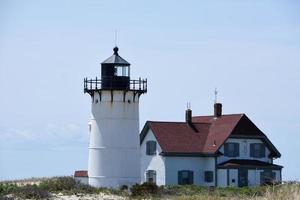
(243,163)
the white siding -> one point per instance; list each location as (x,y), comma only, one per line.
(233,175)
(244,145)
(196,164)
(152,162)
(114,147)
(82,180)
(254,177)
(222,177)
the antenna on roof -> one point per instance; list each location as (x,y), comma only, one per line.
(188,105)
(116,37)
(216,95)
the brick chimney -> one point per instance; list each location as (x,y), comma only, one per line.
(217,109)
(188,116)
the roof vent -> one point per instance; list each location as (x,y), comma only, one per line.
(217,109)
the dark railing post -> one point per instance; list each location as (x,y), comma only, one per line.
(140,83)
(96,83)
(84,84)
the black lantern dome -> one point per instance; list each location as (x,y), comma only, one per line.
(115,72)
(115,75)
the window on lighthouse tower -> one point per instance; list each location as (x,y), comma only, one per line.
(122,71)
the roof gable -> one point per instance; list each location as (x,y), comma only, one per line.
(247,129)
(220,129)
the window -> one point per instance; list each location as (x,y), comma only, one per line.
(231,149)
(267,177)
(151,148)
(257,150)
(185,177)
(121,71)
(90,127)
(151,176)
(208,176)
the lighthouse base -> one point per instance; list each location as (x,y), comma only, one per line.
(112,182)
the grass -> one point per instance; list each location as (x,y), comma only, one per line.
(47,188)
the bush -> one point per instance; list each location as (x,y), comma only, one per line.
(144,189)
(124,187)
(31,192)
(58,184)
(7,188)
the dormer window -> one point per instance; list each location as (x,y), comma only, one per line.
(121,71)
(151,148)
(257,150)
(231,149)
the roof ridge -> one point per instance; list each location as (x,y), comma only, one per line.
(221,116)
(182,122)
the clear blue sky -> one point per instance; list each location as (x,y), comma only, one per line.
(249,50)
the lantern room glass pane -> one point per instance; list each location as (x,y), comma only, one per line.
(122,71)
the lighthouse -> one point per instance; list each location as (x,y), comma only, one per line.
(114,146)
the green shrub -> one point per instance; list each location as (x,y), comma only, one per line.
(58,184)
(144,189)
(31,192)
(6,188)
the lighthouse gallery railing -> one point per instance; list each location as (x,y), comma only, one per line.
(91,85)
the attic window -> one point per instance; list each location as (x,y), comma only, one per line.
(257,150)
(151,148)
(231,149)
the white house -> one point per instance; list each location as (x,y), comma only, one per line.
(218,150)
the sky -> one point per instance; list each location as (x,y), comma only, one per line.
(249,50)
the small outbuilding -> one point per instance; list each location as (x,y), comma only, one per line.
(81,176)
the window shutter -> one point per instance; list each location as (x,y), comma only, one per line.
(153,150)
(252,154)
(180,177)
(148,148)
(262,151)
(236,149)
(191,177)
(226,149)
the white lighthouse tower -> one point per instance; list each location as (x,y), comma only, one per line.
(114,155)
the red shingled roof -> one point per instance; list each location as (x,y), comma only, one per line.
(205,137)
(179,137)
(81,173)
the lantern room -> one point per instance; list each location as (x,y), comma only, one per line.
(115,72)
